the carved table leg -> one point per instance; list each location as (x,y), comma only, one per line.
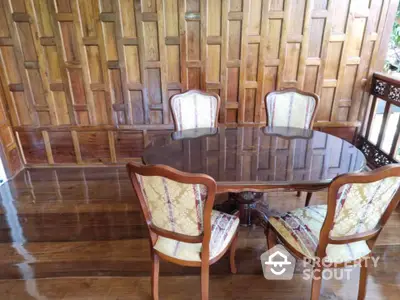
(245,202)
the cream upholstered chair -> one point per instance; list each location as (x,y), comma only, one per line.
(183,228)
(195,109)
(345,230)
(292,108)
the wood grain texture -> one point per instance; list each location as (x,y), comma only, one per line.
(86,232)
(9,153)
(116,63)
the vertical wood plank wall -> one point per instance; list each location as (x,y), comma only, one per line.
(88,81)
(9,155)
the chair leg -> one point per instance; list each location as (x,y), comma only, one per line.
(308,198)
(232,254)
(205,279)
(298,194)
(155,275)
(362,285)
(316,283)
(271,237)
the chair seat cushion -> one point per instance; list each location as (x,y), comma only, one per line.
(223,229)
(301,228)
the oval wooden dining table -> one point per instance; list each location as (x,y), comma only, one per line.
(247,161)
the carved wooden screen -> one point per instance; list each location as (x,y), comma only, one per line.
(379,140)
(88,81)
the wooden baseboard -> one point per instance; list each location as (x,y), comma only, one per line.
(345,130)
(63,146)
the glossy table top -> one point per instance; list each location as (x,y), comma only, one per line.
(257,156)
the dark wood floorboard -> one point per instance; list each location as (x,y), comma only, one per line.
(78,234)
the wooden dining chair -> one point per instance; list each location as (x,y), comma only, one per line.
(292,108)
(183,227)
(344,231)
(195,109)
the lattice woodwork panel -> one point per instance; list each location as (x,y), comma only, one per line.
(117,62)
(75,62)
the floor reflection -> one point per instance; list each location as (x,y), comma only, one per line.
(19,240)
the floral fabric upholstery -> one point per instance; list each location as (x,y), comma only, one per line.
(301,228)
(194,110)
(360,206)
(290,109)
(174,206)
(223,229)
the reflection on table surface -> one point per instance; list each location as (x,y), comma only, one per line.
(257,154)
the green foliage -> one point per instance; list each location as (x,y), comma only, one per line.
(392,62)
(395,37)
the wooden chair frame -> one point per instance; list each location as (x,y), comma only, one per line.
(154,231)
(369,236)
(187,93)
(317,100)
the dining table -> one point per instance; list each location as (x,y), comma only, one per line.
(249,161)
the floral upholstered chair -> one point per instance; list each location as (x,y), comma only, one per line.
(183,228)
(344,231)
(292,108)
(195,109)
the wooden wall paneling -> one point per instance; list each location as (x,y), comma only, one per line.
(283,44)
(62,147)
(344,130)
(22,95)
(111,141)
(243,62)
(232,51)
(9,153)
(33,147)
(224,50)
(193,38)
(182,43)
(213,37)
(129,144)
(163,61)
(40,28)
(203,47)
(105,85)
(305,43)
(77,148)
(265,25)
(9,74)
(355,25)
(85,37)
(335,62)
(94,146)
(58,63)
(322,59)
(112,65)
(376,8)
(47,146)
(142,61)
(119,74)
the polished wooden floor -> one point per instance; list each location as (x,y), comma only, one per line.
(78,234)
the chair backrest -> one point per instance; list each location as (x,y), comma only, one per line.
(175,204)
(291,108)
(359,205)
(195,109)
